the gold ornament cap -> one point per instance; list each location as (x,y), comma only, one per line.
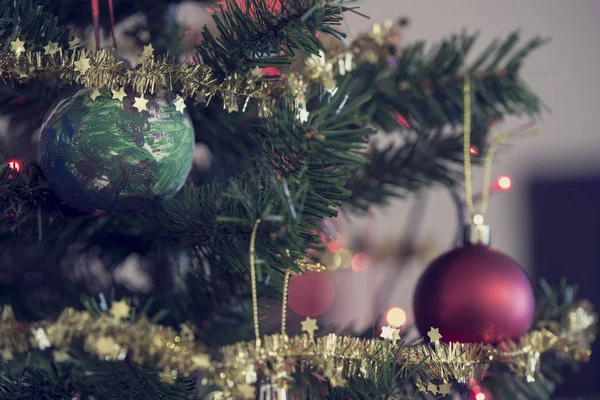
(477,232)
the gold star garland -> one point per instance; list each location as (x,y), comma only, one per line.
(331,357)
(155,75)
(101,69)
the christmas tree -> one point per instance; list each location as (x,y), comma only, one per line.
(176,198)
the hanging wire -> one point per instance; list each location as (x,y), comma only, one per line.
(253,280)
(286,282)
(467,145)
(489,157)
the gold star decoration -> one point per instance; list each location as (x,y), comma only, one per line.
(95,93)
(75,43)
(247,391)
(140,104)
(202,361)
(167,376)
(106,346)
(60,356)
(119,309)
(6,355)
(434,335)
(82,65)
(119,94)
(432,388)
(256,72)
(18,46)
(179,104)
(309,326)
(390,333)
(148,51)
(41,338)
(51,48)
(445,388)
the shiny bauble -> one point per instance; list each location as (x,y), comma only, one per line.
(474,294)
(103,154)
(311,294)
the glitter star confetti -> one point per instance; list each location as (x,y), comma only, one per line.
(42,338)
(390,333)
(60,356)
(202,361)
(433,389)
(445,388)
(179,104)
(119,309)
(94,94)
(6,355)
(256,72)
(140,104)
(18,46)
(247,391)
(51,48)
(106,346)
(434,335)
(148,51)
(167,376)
(75,43)
(309,326)
(82,65)
(119,94)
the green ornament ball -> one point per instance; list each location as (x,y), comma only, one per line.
(104,155)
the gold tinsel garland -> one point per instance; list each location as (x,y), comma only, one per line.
(102,69)
(238,367)
(155,75)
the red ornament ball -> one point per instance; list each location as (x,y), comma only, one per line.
(474,294)
(311,294)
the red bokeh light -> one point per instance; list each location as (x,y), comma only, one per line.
(396,317)
(401,120)
(504,182)
(473,151)
(15,165)
(336,246)
(360,262)
(270,72)
(477,392)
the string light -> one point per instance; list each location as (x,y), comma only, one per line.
(401,120)
(396,317)
(478,393)
(15,165)
(360,262)
(336,246)
(504,182)
(473,151)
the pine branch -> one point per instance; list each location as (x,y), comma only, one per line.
(30,23)
(258,33)
(424,91)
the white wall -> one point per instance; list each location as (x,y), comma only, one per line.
(564,73)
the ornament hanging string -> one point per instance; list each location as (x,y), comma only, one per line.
(286,283)
(253,281)
(96,17)
(467,144)
(489,157)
